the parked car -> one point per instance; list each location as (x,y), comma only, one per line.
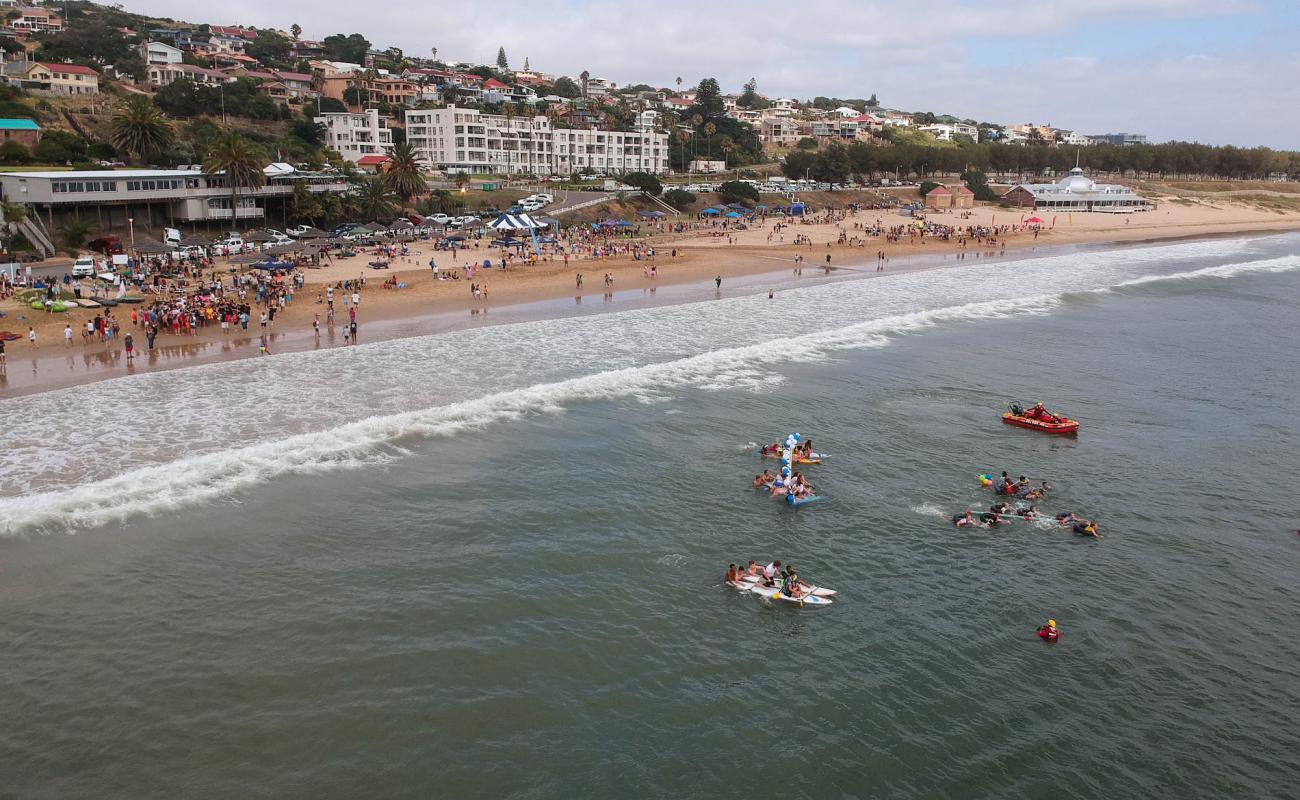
(190,252)
(233,244)
(278,237)
(298,230)
(84,267)
(108,245)
(440,219)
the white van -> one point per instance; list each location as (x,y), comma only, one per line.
(84,267)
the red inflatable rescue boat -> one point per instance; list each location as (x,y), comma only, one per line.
(1060,426)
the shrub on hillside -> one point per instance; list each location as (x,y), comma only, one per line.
(679,198)
(737,192)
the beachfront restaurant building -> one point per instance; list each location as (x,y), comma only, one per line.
(1077,192)
(155,197)
(465,140)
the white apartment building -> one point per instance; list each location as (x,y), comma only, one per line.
(357,135)
(467,140)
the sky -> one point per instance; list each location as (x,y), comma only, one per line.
(1213,71)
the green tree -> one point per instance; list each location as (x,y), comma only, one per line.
(355,96)
(240,161)
(566,87)
(502,62)
(139,128)
(351,48)
(270,48)
(978,183)
(737,192)
(404,176)
(645,182)
(374,200)
(332,105)
(679,198)
(708,98)
(295,30)
(807,143)
(93,43)
(60,146)
(12,152)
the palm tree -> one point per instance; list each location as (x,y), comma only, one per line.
(74,232)
(239,160)
(403,175)
(374,200)
(508,111)
(585,76)
(306,205)
(679,84)
(726,143)
(13,214)
(139,128)
(709,130)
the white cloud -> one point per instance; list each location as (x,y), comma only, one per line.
(912,55)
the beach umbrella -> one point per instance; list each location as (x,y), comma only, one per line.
(150,247)
(1035,220)
(732,214)
(712,212)
(194,240)
(258,236)
(400,224)
(374,227)
(279,249)
(313,233)
(247,258)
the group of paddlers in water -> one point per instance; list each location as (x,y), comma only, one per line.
(788,481)
(1002,513)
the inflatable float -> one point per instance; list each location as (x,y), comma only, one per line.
(791,500)
(749,582)
(1062,426)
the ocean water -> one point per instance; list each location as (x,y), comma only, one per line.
(487,564)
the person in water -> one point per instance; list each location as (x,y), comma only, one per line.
(964,520)
(1028,513)
(1049,631)
(1039,493)
(767,476)
(790,586)
(1001,508)
(990,519)
(759,483)
(1085,528)
(1066,518)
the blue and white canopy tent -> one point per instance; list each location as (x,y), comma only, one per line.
(519,222)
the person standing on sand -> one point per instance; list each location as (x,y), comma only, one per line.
(31,335)
(67,335)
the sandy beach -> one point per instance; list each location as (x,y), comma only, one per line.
(740,258)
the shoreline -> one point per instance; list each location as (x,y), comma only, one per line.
(547,291)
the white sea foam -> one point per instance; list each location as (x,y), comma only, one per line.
(245,423)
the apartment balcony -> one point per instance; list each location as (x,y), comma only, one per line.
(244,213)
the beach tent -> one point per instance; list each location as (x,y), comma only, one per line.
(760,205)
(798,209)
(651,214)
(1034,220)
(712,212)
(738,206)
(518,222)
(274,266)
(514,222)
(732,214)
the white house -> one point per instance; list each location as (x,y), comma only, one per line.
(947,132)
(159,53)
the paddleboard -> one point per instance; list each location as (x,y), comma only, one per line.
(772,593)
(88,304)
(820,591)
(799,501)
